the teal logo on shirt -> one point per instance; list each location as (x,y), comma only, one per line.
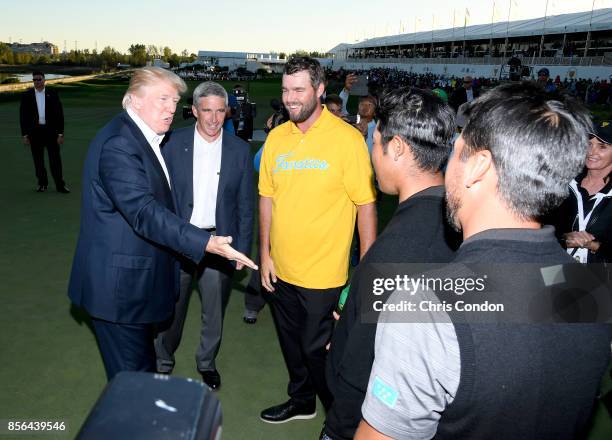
(384,392)
(283,162)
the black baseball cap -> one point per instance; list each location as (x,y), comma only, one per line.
(603,131)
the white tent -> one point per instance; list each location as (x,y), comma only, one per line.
(555,24)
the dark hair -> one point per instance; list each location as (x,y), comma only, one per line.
(369,98)
(422,120)
(37,72)
(297,64)
(333,99)
(538,142)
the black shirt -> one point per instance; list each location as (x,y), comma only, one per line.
(417,233)
(523,381)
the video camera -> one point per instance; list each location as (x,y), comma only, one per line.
(279,116)
(241,95)
(243,113)
(187,112)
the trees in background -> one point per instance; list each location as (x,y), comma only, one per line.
(137,55)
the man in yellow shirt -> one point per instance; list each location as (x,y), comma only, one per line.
(315,179)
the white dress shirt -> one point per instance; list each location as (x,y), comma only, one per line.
(152,138)
(206,171)
(40,105)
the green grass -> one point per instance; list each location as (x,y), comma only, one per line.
(51,368)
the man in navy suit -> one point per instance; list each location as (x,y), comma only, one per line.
(125,273)
(42,126)
(212,180)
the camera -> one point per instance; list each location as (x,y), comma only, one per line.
(279,116)
(187,111)
(243,113)
(353,119)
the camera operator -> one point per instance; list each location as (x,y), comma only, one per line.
(243,114)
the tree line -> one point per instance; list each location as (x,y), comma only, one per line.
(137,55)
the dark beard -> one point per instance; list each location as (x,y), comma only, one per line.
(305,113)
(452,208)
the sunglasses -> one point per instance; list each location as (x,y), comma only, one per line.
(37,79)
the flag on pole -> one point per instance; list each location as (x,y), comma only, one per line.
(495,16)
(513,7)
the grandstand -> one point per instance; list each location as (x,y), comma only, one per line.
(577,45)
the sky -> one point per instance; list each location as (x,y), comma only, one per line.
(249,25)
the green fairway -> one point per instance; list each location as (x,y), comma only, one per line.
(51,368)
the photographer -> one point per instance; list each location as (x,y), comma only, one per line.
(279,116)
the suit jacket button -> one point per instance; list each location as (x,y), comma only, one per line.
(191,205)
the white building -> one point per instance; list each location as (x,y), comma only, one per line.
(251,61)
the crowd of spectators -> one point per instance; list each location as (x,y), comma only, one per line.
(587,90)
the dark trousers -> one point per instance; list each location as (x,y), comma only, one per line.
(304,323)
(214,281)
(254,299)
(40,138)
(125,347)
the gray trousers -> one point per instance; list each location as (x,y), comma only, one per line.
(214,283)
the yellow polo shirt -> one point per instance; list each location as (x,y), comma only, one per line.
(315,180)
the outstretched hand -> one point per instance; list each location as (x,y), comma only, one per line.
(220,245)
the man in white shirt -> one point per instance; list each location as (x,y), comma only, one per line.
(125,273)
(212,184)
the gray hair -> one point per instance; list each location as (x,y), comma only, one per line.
(538,142)
(148,76)
(209,88)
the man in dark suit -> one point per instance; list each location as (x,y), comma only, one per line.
(125,272)
(42,125)
(464,93)
(212,180)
